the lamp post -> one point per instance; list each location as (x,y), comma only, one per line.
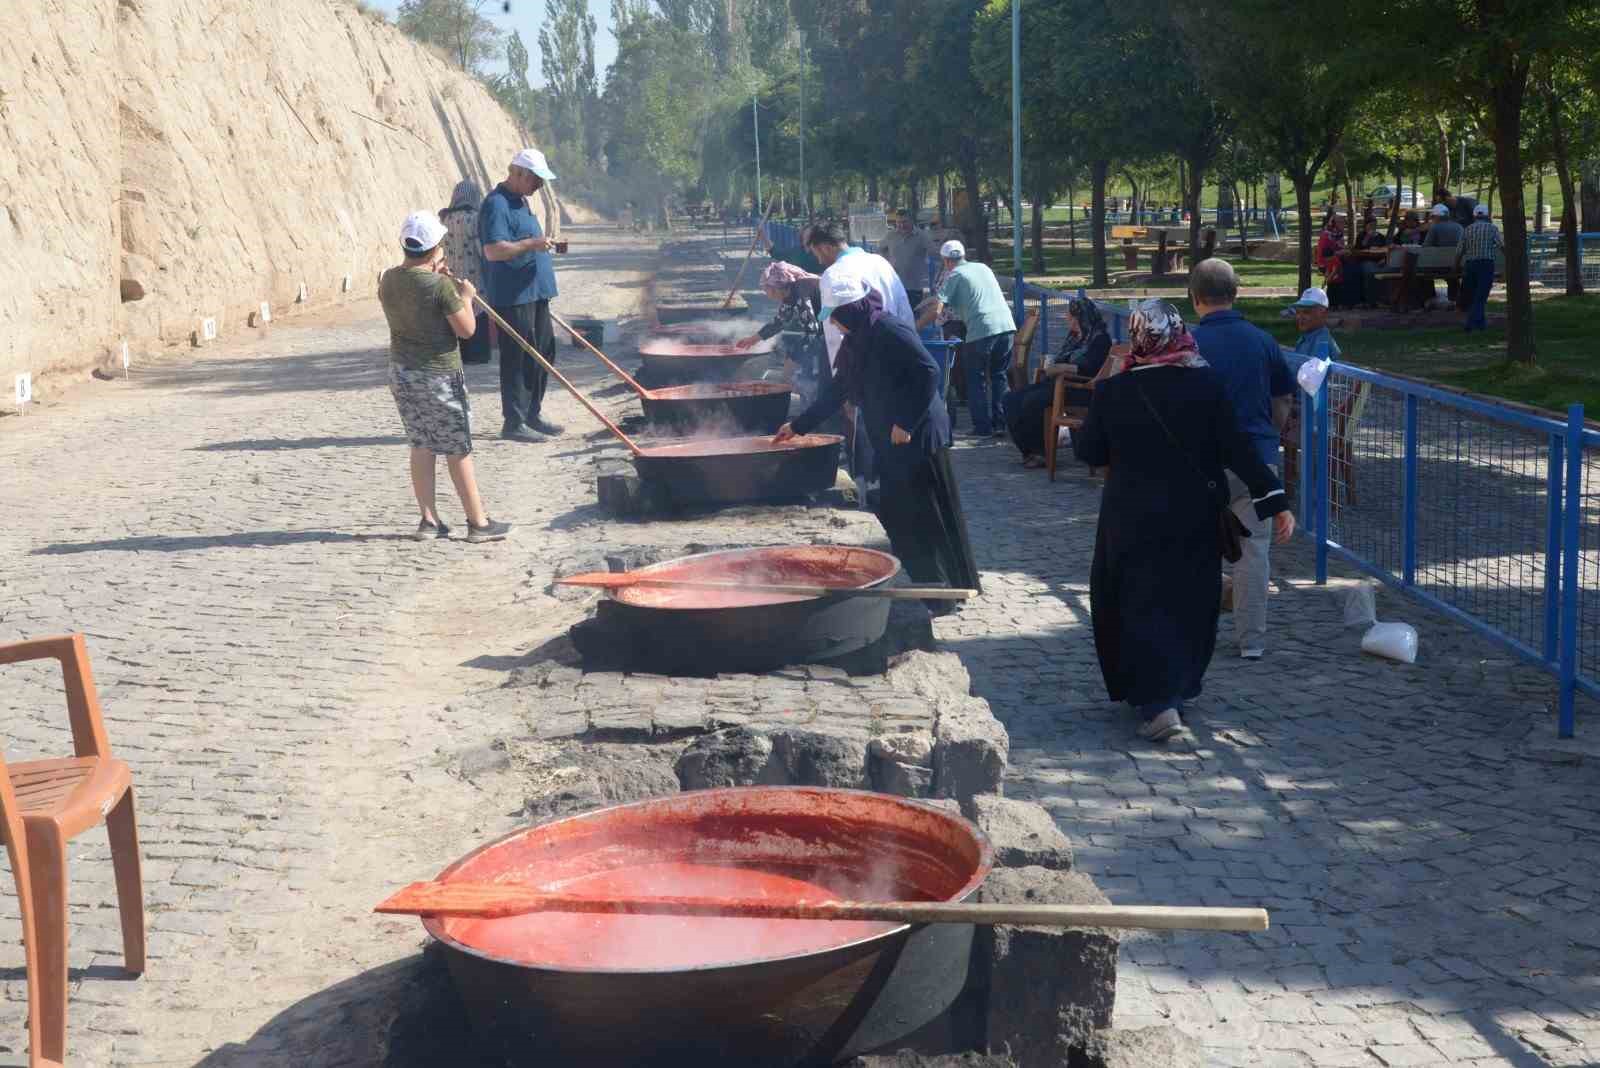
(755,121)
(804,200)
(1016,151)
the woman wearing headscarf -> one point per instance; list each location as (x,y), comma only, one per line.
(1167,430)
(464,253)
(799,298)
(884,370)
(1084,354)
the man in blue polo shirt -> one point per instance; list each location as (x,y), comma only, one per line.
(520,278)
(1258,381)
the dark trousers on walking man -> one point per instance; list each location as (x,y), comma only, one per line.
(1477,279)
(522,380)
(986,361)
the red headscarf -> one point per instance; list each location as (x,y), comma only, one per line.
(1158,337)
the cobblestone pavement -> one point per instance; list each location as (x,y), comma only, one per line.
(289,677)
(1430,872)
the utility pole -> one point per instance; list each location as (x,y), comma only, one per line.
(804,199)
(1016,151)
(756,122)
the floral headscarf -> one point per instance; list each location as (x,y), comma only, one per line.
(779,275)
(1159,337)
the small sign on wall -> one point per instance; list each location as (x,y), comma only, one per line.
(345,285)
(23,391)
(208,329)
(266,312)
(127,360)
(300,297)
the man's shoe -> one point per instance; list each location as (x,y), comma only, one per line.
(493,530)
(545,426)
(1162,727)
(521,433)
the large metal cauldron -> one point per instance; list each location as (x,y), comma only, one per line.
(677,314)
(564,991)
(699,632)
(729,407)
(695,358)
(736,470)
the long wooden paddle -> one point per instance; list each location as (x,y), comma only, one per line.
(619,372)
(557,375)
(621,580)
(754,241)
(496,900)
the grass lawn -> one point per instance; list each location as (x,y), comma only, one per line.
(1567,372)
(1077,268)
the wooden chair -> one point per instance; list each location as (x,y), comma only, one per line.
(1021,348)
(1069,406)
(43,805)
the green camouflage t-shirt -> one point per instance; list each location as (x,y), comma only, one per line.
(416,302)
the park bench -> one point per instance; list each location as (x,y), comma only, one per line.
(1411,281)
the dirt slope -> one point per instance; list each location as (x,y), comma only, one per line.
(211,155)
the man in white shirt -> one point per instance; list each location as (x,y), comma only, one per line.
(841,260)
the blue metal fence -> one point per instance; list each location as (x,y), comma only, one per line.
(1476,508)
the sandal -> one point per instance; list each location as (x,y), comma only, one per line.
(1033,461)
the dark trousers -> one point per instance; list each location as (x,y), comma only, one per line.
(476,349)
(920,509)
(986,360)
(522,380)
(1477,279)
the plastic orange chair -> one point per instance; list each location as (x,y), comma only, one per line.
(43,805)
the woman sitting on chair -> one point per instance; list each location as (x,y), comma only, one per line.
(1083,356)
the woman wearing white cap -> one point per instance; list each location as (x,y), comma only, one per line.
(428,311)
(884,369)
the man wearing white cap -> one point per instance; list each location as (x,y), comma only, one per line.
(974,296)
(1311,319)
(842,262)
(1475,259)
(1443,232)
(520,277)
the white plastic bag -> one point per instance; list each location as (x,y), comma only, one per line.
(1311,374)
(1064,437)
(1397,641)
(1361,605)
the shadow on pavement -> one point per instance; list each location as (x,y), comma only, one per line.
(256,539)
(405,1014)
(275,444)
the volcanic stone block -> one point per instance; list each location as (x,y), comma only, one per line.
(1049,989)
(1021,832)
(901,763)
(1140,1048)
(907,1059)
(737,756)
(930,675)
(819,758)
(969,749)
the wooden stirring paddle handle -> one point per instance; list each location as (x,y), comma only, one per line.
(557,375)
(621,580)
(495,900)
(619,372)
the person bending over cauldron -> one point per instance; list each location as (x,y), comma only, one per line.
(428,311)
(883,369)
(799,297)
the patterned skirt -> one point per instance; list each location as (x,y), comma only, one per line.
(434,409)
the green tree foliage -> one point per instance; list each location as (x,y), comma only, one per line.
(566,57)
(456,26)
(514,92)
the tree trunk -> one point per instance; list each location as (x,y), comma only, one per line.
(975,226)
(1505,102)
(1072,223)
(1302,202)
(916,200)
(1590,192)
(1569,210)
(1097,220)
(1037,210)
(1394,205)
(1441,175)
(1133,199)
(872,188)
(1244,238)
(1194,182)
(944,201)
(1538,203)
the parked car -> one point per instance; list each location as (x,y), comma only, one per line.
(1410,199)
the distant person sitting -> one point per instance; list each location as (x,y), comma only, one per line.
(1475,257)
(428,311)
(1445,232)
(1410,232)
(1084,355)
(1371,239)
(974,293)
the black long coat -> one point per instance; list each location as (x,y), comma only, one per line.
(1155,588)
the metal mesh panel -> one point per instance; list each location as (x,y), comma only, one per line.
(1366,468)
(1589,567)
